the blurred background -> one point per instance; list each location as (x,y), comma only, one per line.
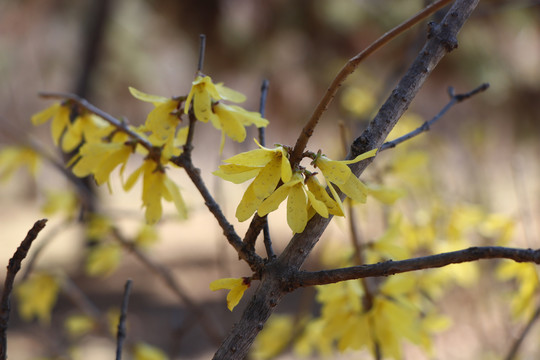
(485,151)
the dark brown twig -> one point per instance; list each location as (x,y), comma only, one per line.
(121,333)
(349,68)
(303,278)
(202,48)
(13,267)
(454,99)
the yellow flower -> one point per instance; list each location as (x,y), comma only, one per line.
(87,127)
(60,201)
(319,192)
(268,166)
(100,159)
(142,351)
(146,236)
(60,119)
(14,157)
(300,199)
(275,336)
(103,259)
(78,325)
(156,185)
(232,120)
(163,120)
(338,173)
(203,92)
(37,296)
(236,286)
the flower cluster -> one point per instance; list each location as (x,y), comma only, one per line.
(103,145)
(276,181)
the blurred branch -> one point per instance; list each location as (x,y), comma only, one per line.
(13,267)
(304,278)
(202,48)
(454,99)
(349,68)
(121,334)
(165,275)
(517,344)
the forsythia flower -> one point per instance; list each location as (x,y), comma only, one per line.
(278,331)
(37,296)
(298,203)
(203,91)
(268,166)
(14,157)
(237,288)
(100,159)
(142,351)
(78,325)
(87,127)
(338,173)
(60,201)
(163,120)
(60,119)
(156,185)
(103,259)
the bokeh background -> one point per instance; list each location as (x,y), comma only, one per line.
(485,151)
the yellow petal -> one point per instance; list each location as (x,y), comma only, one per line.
(253,158)
(236,174)
(142,351)
(248,205)
(59,123)
(44,115)
(78,325)
(355,189)
(103,259)
(267,179)
(317,205)
(297,208)
(36,297)
(226,93)
(235,295)
(151,195)
(202,105)
(320,194)
(361,157)
(230,123)
(115,158)
(286,171)
(154,99)
(174,193)
(335,171)
(274,200)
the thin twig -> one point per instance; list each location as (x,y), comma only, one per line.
(517,344)
(165,275)
(454,99)
(13,267)
(202,48)
(120,125)
(349,68)
(386,268)
(121,334)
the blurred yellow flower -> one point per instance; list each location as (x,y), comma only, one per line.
(60,119)
(15,157)
(36,297)
(156,185)
(237,287)
(142,351)
(79,325)
(103,259)
(87,127)
(277,333)
(60,201)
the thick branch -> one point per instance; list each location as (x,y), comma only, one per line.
(13,267)
(441,40)
(349,68)
(304,278)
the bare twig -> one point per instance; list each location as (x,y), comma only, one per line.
(349,68)
(121,334)
(120,125)
(13,267)
(454,99)
(303,278)
(202,48)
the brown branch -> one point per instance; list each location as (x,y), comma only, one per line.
(120,125)
(348,69)
(454,99)
(441,40)
(165,275)
(121,333)
(386,268)
(254,261)
(13,267)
